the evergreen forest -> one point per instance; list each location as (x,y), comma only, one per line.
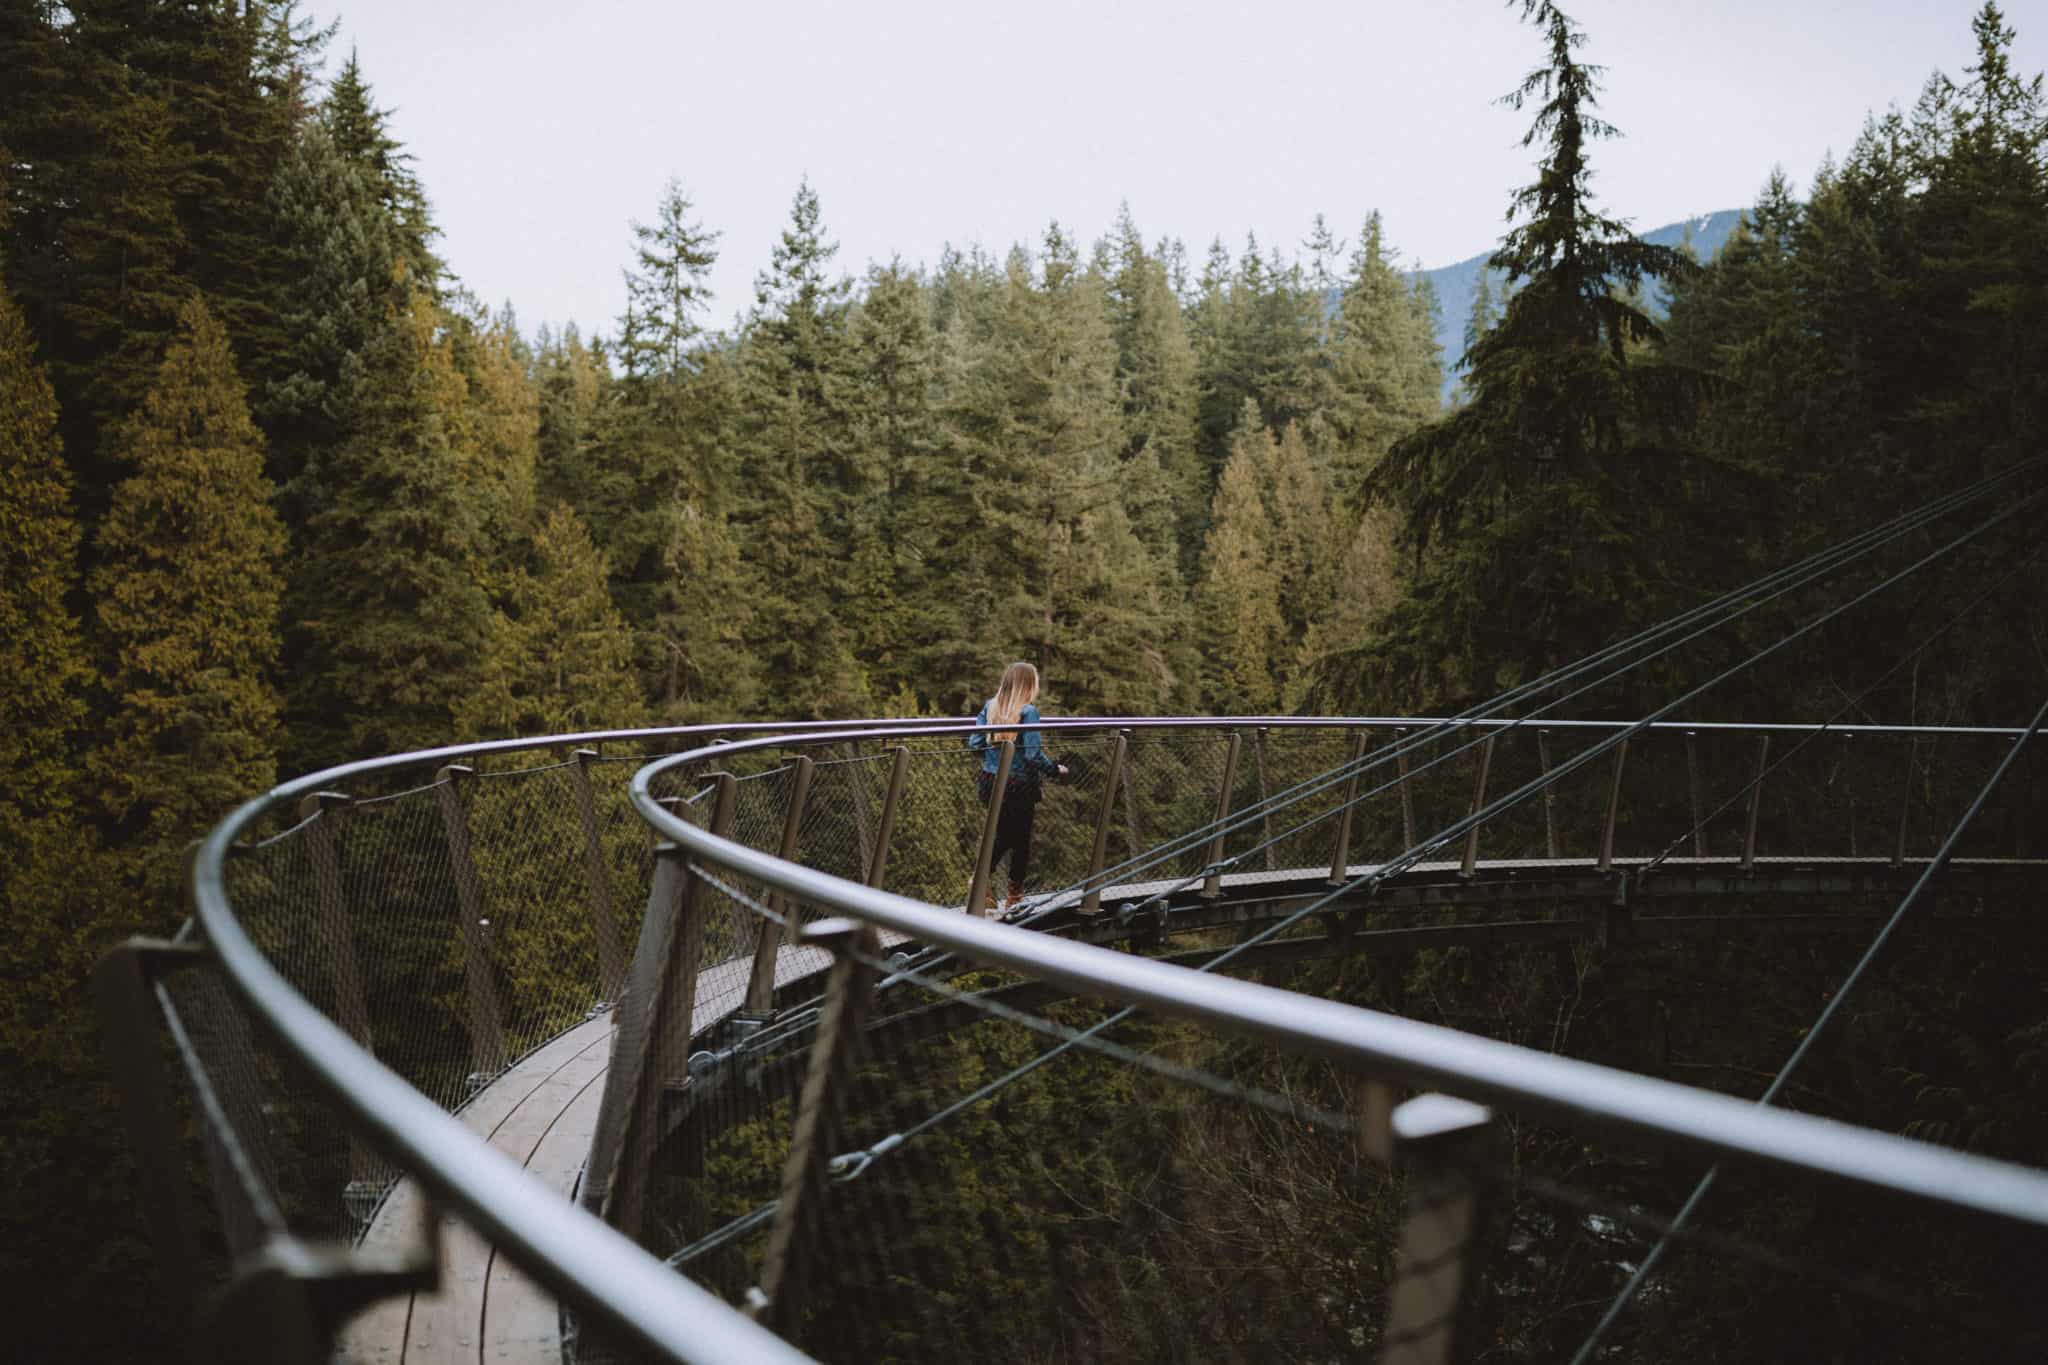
(277,491)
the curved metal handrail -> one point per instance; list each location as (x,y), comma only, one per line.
(572,1252)
(1576,1093)
(581,1258)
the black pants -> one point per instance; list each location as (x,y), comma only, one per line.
(1013,826)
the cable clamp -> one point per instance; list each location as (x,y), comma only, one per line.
(853,1165)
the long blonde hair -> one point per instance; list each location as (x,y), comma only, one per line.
(1015,692)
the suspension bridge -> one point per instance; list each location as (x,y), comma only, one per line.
(568,1048)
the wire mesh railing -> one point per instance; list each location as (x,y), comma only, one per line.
(449,914)
(751,1128)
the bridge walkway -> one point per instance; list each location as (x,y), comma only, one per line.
(543,1110)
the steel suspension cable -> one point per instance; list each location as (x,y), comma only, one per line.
(1827,1015)
(1795,750)
(1536,785)
(1728,607)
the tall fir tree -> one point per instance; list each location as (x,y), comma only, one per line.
(902,599)
(362,134)
(1165,483)
(1056,573)
(387,603)
(186,601)
(804,473)
(1384,370)
(70,1183)
(1237,603)
(556,655)
(43,665)
(340,267)
(1544,514)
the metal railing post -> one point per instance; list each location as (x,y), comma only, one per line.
(124,996)
(486,1023)
(1756,801)
(1407,796)
(1481,765)
(1340,861)
(1374,1101)
(322,812)
(977,887)
(1613,808)
(654,1022)
(787,1262)
(886,830)
(1212,882)
(611,966)
(1441,1143)
(1549,795)
(1265,795)
(1692,778)
(761,985)
(1098,855)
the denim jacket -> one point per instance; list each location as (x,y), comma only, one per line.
(1031,757)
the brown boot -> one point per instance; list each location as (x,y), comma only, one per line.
(1016,897)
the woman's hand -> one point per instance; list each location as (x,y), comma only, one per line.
(1062,769)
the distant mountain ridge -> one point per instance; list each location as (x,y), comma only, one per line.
(1455,284)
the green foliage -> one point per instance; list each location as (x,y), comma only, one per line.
(361,132)
(1555,496)
(1054,571)
(337,262)
(186,599)
(556,655)
(388,608)
(1384,371)
(43,667)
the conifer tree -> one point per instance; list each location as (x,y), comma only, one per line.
(497,419)
(340,268)
(387,601)
(1480,320)
(569,377)
(43,667)
(361,133)
(556,656)
(1237,602)
(1544,495)
(1383,364)
(186,597)
(803,470)
(900,598)
(93,244)
(1165,484)
(1324,248)
(668,288)
(1266,351)
(1057,573)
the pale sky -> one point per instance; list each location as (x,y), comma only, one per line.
(541,129)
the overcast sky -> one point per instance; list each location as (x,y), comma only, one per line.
(541,129)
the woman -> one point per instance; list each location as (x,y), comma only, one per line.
(1005,716)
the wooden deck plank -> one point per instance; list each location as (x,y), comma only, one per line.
(522,1320)
(449,1325)
(511,1113)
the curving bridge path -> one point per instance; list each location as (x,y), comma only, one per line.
(543,1111)
(467,918)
